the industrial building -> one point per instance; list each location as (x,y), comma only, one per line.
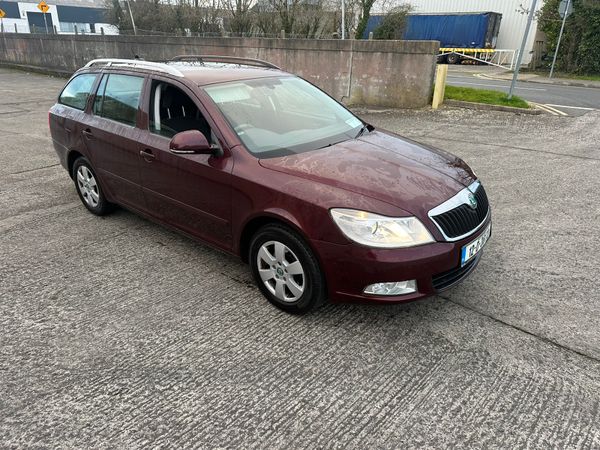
(63,16)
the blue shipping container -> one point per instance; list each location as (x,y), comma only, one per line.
(477,30)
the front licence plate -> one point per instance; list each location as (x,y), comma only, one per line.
(474,247)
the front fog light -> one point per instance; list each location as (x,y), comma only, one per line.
(395,288)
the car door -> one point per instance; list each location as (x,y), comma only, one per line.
(189,191)
(111,136)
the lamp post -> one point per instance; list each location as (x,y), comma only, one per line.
(343,19)
(522,50)
(562,28)
(131,15)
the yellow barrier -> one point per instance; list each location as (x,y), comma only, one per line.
(467,50)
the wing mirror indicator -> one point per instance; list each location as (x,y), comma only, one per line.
(192,142)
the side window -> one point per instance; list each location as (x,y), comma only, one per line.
(172,111)
(118,97)
(76,93)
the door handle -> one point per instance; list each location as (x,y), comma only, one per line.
(88,133)
(147,155)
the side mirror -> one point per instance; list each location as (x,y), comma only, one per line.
(189,142)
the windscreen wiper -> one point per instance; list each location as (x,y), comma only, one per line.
(365,127)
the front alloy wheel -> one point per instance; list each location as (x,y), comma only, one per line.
(286,270)
(281,271)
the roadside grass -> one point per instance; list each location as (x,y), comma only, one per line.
(584,77)
(483,96)
(570,76)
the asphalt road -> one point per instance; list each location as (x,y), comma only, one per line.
(572,100)
(117,333)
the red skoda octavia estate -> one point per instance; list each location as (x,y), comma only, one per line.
(262,164)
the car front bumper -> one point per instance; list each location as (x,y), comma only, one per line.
(436,267)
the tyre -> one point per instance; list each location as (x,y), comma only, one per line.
(452,58)
(286,270)
(88,188)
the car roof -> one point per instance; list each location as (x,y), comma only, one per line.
(199,69)
(220,73)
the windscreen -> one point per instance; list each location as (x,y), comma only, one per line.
(282,116)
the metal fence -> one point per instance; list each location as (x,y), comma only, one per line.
(142,32)
(252,34)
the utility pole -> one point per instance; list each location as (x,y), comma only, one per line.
(131,15)
(523,44)
(562,28)
(343,19)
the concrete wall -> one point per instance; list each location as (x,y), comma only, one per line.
(371,73)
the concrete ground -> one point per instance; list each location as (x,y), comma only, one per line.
(115,332)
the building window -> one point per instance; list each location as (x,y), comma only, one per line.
(69,27)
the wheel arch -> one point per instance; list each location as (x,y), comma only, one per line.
(71,158)
(278,217)
(255,223)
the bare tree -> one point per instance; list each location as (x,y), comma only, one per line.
(353,9)
(302,18)
(358,13)
(264,18)
(393,24)
(287,12)
(177,17)
(312,19)
(240,15)
(365,13)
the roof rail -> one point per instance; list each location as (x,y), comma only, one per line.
(224,59)
(135,63)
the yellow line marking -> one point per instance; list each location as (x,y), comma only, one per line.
(559,112)
(543,108)
(573,107)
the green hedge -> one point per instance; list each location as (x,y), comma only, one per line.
(580,48)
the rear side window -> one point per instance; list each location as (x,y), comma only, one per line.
(76,93)
(118,97)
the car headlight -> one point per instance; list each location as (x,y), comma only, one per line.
(374,230)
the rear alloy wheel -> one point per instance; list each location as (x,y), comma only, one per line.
(286,270)
(88,188)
